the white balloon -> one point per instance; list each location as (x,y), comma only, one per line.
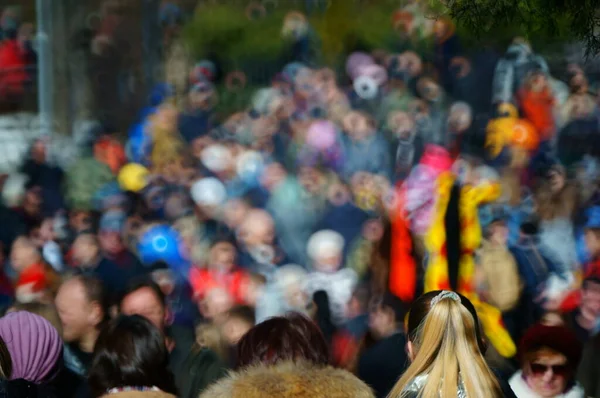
(216,157)
(366,87)
(208,192)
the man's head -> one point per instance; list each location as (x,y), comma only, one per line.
(237,323)
(386,315)
(24,253)
(81,306)
(222,255)
(86,249)
(257,228)
(145,298)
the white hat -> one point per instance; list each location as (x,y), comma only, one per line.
(208,192)
(325,242)
(216,157)
(366,87)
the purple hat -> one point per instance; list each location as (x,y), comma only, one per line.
(357,60)
(34,345)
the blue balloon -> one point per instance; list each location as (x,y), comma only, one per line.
(162,243)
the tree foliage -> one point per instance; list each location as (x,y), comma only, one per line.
(537,20)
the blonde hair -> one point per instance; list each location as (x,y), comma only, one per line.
(209,336)
(448,349)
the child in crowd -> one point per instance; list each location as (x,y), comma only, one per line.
(325,250)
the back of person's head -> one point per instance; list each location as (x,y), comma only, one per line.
(130,352)
(34,346)
(289,338)
(445,343)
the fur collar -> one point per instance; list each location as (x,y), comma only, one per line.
(139,394)
(288,379)
(522,390)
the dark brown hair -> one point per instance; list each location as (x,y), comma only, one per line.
(130,352)
(293,337)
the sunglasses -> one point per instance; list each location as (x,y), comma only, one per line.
(539,369)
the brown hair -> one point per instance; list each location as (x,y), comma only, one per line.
(293,337)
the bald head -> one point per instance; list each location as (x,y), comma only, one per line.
(258,228)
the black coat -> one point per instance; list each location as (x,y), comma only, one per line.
(382,364)
(65,385)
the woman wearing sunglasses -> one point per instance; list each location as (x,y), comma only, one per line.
(549,359)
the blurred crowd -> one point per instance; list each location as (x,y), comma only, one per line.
(338,197)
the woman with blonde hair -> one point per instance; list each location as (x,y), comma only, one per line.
(446,348)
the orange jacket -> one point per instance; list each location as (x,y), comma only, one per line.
(538,108)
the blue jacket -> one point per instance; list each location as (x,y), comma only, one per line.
(534,267)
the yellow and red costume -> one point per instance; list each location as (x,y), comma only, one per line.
(437,275)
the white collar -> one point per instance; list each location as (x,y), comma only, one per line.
(521,389)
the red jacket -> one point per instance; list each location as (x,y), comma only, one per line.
(235,282)
(13,74)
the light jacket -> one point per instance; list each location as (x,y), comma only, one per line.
(499,276)
(288,379)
